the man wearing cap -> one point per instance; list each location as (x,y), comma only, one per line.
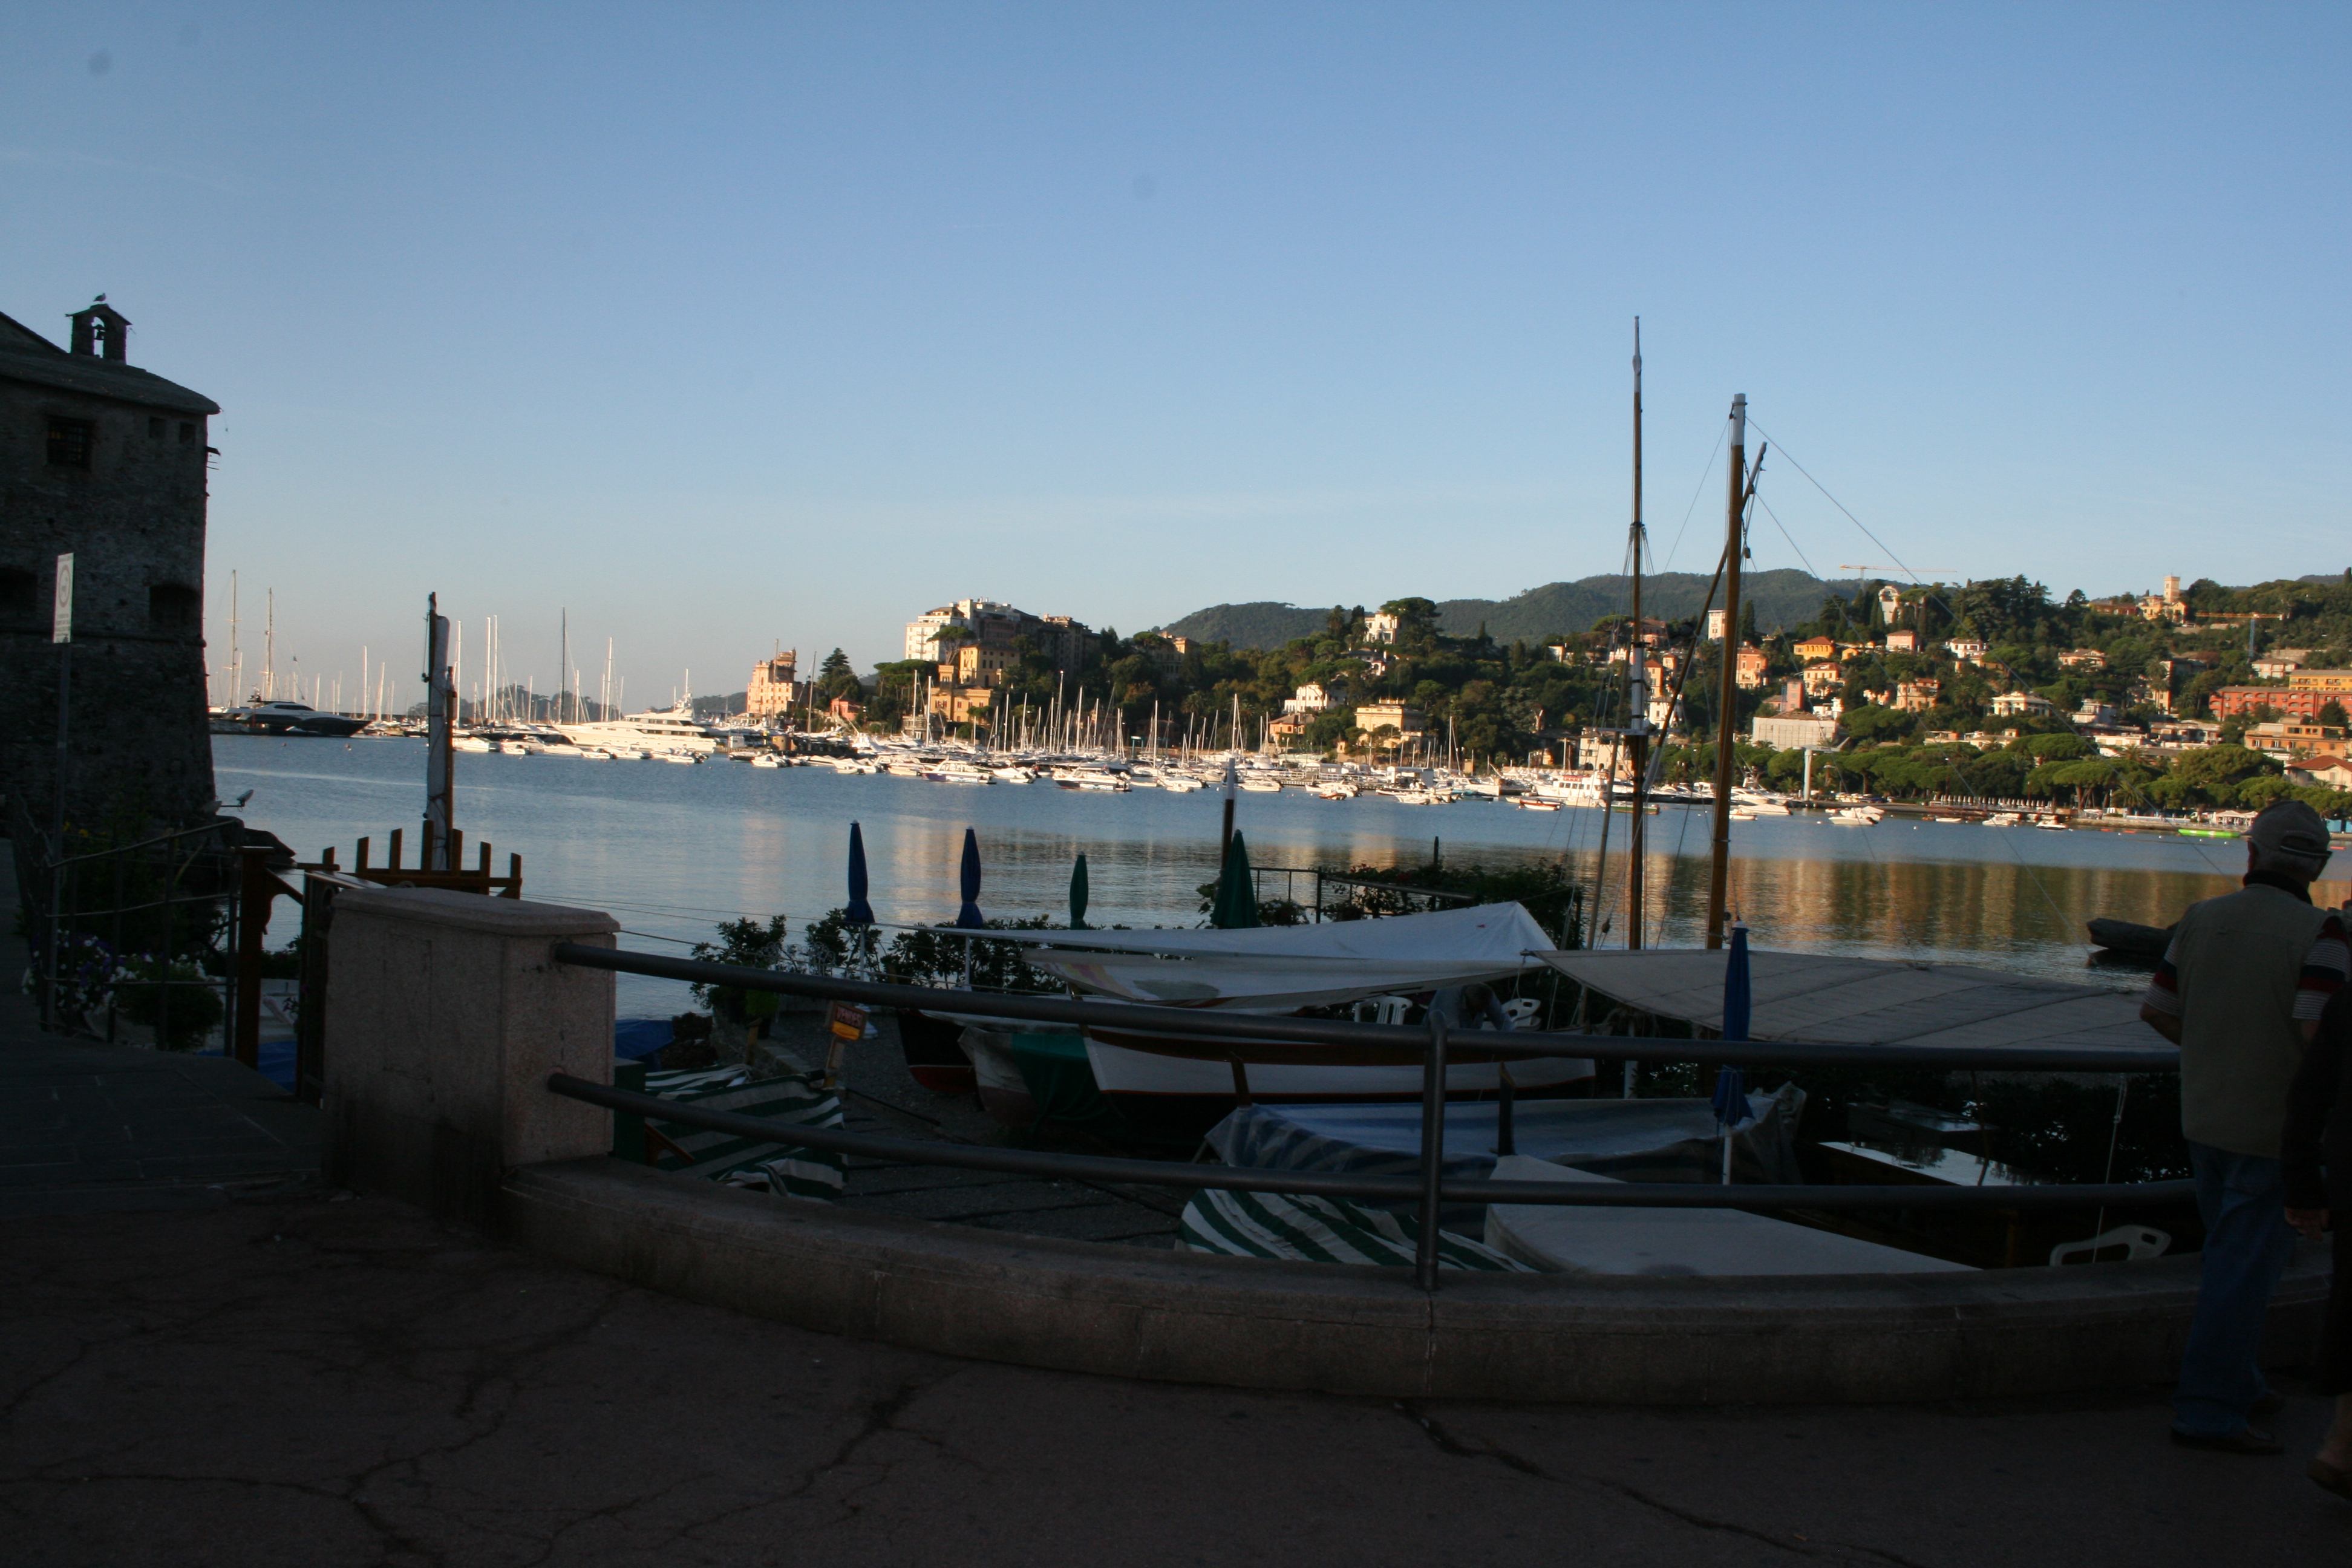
(2241,990)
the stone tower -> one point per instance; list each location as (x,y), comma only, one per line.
(106,462)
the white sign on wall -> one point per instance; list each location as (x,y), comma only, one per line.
(61,620)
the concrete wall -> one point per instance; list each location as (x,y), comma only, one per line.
(445,1016)
(1188,1318)
(134,522)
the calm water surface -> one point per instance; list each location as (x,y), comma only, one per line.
(670,850)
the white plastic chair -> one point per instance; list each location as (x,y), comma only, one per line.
(1519,1009)
(2138,1242)
(1382,1009)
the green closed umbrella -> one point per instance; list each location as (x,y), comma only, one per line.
(1078,893)
(1235,908)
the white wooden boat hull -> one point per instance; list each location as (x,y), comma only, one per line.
(1140,1078)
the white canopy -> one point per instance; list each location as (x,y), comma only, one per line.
(1816,997)
(1278,968)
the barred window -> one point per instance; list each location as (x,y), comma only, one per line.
(69,442)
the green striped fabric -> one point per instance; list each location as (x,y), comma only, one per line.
(793,1099)
(1323,1230)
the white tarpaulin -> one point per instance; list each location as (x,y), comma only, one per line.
(1817,997)
(1285,967)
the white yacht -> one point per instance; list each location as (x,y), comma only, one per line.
(655,730)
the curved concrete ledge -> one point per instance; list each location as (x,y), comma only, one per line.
(1185,1317)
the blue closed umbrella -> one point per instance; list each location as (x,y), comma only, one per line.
(1078,893)
(1731,1107)
(968,915)
(859,912)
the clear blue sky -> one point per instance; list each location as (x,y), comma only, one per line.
(722,325)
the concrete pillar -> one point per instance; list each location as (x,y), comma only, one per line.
(445,1015)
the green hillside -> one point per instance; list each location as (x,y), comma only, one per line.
(1782,598)
(1263,623)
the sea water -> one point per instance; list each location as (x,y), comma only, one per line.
(671,851)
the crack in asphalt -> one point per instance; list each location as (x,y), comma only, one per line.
(1447,1442)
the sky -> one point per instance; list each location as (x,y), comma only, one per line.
(713,328)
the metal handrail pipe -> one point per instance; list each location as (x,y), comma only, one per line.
(147,843)
(1400,1043)
(1400,1189)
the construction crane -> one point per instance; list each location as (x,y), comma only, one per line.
(1874,565)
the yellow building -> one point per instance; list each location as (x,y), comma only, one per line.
(770,693)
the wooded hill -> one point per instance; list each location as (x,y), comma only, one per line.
(1782,598)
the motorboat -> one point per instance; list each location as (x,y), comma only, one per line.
(855,765)
(961,773)
(1259,784)
(1012,773)
(1857,815)
(767,760)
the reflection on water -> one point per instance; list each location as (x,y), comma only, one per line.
(670,850)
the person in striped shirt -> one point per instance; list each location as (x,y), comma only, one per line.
(2241,991)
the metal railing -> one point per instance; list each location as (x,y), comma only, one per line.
(1405,897)
(138,932)
(1330,1042)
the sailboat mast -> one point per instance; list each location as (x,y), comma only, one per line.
(1637,737)
(1727,696)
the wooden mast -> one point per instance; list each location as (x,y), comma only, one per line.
(1728,692)
(1637,734)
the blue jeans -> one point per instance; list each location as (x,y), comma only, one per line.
(2242,1200)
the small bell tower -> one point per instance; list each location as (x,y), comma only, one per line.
(99,327)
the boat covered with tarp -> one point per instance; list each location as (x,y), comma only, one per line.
(1832,1000)
(1278,969)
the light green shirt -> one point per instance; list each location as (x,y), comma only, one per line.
(2237,961)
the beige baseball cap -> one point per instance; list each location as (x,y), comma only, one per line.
(2289,827)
